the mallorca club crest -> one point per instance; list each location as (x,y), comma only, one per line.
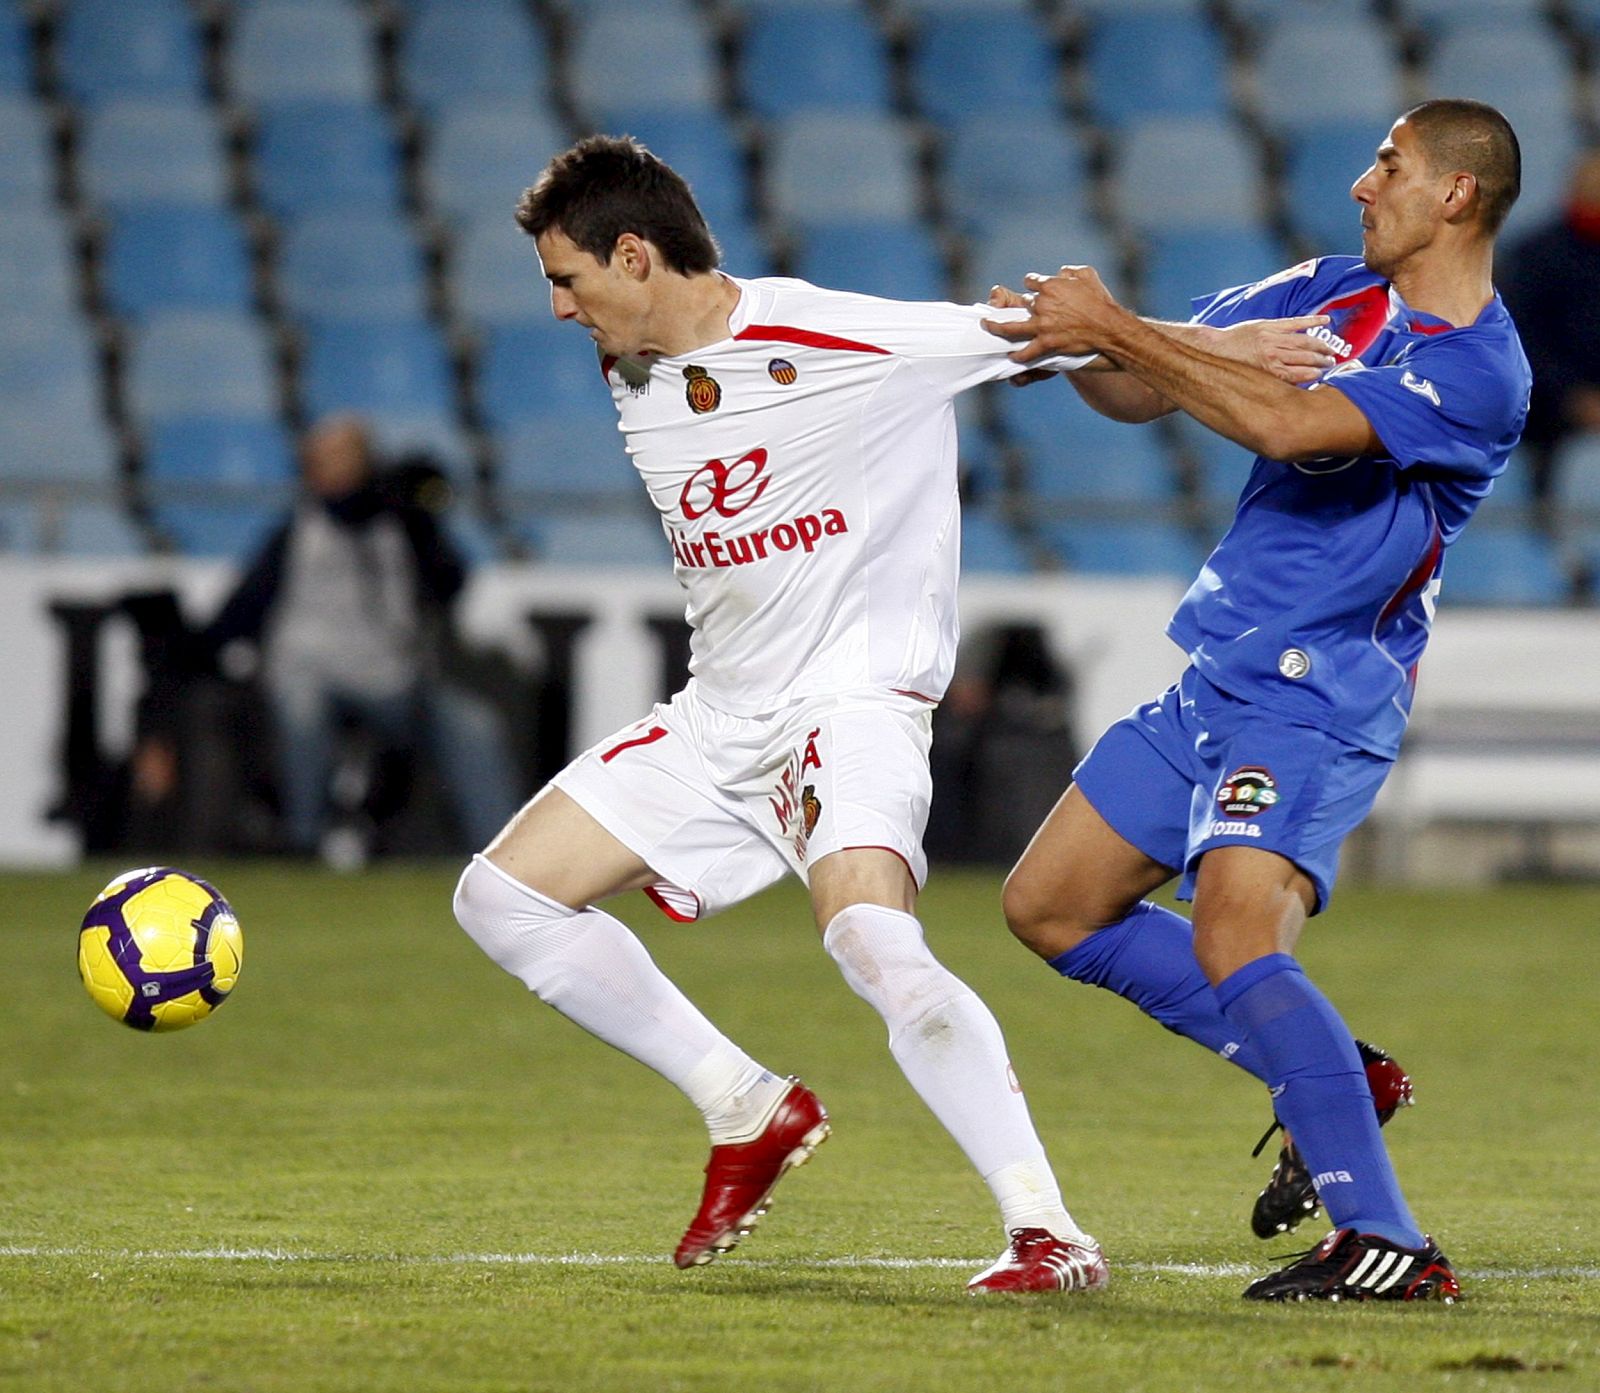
(704,392)
(810,807)
(1247,791)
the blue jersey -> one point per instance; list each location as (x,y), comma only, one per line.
(1318,601)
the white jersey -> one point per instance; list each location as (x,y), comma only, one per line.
(805,473)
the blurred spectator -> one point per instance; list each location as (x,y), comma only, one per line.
(1552,287)
(348,601)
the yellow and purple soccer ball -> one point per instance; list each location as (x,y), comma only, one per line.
(159,949)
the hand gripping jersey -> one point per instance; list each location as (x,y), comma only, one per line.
(1318,601)
(805,472)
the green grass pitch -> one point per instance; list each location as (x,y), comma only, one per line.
(384,1166)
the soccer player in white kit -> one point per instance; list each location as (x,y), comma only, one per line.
(800,447)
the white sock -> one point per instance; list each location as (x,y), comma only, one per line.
(588,966)
(950,1048)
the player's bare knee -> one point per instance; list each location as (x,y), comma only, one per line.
(1043,913)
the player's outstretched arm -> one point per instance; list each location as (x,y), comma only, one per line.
(1072,312)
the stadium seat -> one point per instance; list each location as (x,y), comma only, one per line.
(226,531)
(16,53)
(90,527)
(250,453)
(896,260)
(978,63)
(487,53)
(811,58)
(539,368)
(197,363)
(320,156)
(837,167)
(27,169)
(1220,466)
(351,266)
(1009,248)
(1180,267)
(701,146)
(558,454)
(1585,17)
(139,152)
(109,49)
(657,53)
(495,276)
(1437,17)
(37,275)
(38,447)
(1076,455)
(622,540)
(1182,8)
(1320,166)
(298,53)
(1156,187)
(1489,565)
(431,434)
(48,368)
(479,159)
(1303,74)
(167,258)
(1126,548)
(400,370)
(1576,477)
(1145,65)
(990,544)
(989,174)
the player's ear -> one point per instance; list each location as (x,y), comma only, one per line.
(1461,196)
(632,255)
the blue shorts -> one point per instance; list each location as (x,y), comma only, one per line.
(1199,769)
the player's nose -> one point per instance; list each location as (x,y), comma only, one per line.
(562,304)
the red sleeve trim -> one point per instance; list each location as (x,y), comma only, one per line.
(679,913)
(807,338)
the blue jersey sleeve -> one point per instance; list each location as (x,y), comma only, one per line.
(1289,292)
(1453,403)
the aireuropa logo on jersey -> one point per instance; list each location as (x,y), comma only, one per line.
(727,490)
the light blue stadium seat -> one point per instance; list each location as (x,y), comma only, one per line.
(326,155)
(1305,74)
(16,53)
(1126,548)
(227,531)
(1145,65)
(538,368)
(39,447)
(837,167)
(48,367)
(1007,249)
(989,173)
(1220,466)
(198,363)
(479,159)
(625,540)
(167,258)
(435,434)
(920,11)
(1188,9)
(37,275)
(1156,186)
(974,62)
(990,544)
(814,58)
(139,152)
(1576,475)
(129,48)
(658,53)
(1489,565)
(1077,455)
(296,53)
(454,55)
(1320,166)
(27,169)
(496,278)
(1182,266)
(1437,17)
(239,453)
(701,146)
(398,370)
(562,454)
(894,259)
(93,528)
(351,266)
(1585,15)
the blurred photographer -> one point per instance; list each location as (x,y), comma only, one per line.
(348,603)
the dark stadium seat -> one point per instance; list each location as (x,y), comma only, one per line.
(1142,65)
(1180,266)
(1220,467)
(896,259)
(974,62)
(657,52)
(1489,565)
(1126,548)
(988,173)
(143,151)
(325,155)
(351,265)
(244,453)
(108,49)
(559,454)
(536,368)
(201,363)
(37,274)
(489,52)
(989,543)
(16,53)
(1076,455)
(1155,185)
(700,144)
(478,158)
(837,166)
(814,57)
(302,52)
(1303,74)
(176,258)
(626,541)
(229,531)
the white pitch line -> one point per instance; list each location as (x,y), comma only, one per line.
(285,1255)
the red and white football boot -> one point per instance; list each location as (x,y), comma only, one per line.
(1039,1261)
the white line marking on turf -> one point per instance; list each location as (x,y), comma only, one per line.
(1179,1269)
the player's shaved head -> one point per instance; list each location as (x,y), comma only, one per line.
(1457,134)
(607,185)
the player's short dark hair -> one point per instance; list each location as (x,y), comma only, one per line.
(606,185)
(1473,136)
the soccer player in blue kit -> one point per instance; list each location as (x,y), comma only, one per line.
(1303,631)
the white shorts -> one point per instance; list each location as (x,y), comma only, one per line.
(720,806)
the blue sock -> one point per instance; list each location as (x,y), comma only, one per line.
(1148,957)
(1320,1093)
